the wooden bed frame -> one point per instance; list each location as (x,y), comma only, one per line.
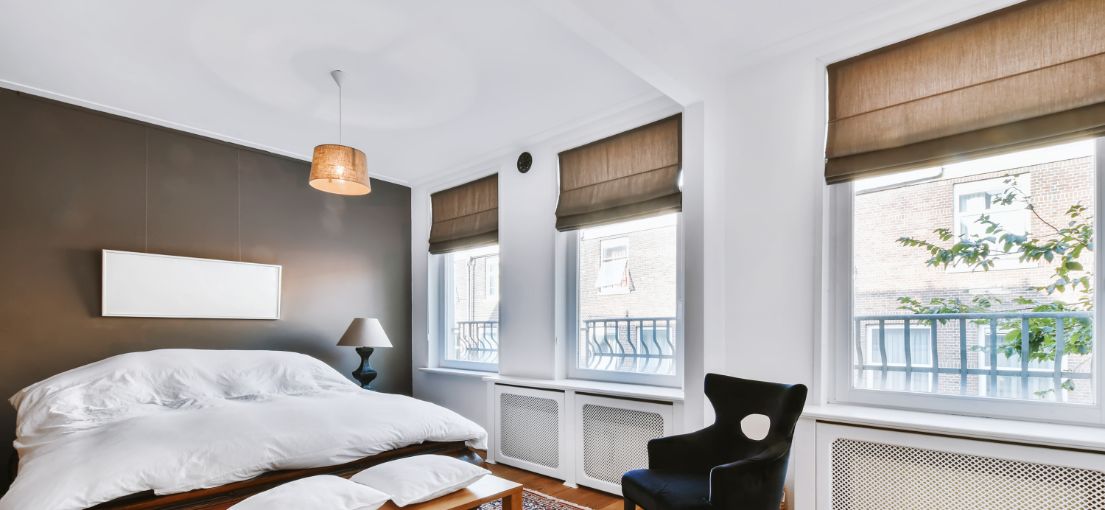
(222,497)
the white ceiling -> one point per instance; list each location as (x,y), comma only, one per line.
(430,84)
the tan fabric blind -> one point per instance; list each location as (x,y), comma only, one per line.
(1025,75)
(466,216)
(629,175)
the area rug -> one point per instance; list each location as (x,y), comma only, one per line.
(533,500)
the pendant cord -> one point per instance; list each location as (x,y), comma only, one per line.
(146,192)
(339,113)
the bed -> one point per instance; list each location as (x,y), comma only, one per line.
(184,428)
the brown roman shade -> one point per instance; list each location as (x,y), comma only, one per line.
(625,176)
(465,216)
(1025,75)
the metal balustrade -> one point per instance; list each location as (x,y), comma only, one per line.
(477,341)
(877,359)
(637,344)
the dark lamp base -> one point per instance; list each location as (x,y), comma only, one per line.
(365,373)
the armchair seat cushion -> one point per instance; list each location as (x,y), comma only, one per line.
(667,490)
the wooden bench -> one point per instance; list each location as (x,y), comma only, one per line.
(487,489)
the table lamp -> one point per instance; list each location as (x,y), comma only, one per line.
(364,334)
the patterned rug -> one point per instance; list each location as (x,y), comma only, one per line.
(533,500)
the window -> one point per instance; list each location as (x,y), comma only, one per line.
(969,288)
(613,274)
(624,301)
(470,308)
(1000,201)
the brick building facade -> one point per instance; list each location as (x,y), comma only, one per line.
(647,284)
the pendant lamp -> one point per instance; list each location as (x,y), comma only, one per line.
(337,168)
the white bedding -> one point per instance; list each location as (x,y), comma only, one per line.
(176,420)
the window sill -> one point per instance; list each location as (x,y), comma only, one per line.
(479,374)
(1080,437)
(639,391)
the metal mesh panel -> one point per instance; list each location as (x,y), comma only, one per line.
(869,475)
(529,428)
(616,440)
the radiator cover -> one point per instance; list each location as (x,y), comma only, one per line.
(613,436)
(530,429)
(875,475)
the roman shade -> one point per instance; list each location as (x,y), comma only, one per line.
(1022,76)
(625,176)
(466,216)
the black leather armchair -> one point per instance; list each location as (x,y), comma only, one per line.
(718,467)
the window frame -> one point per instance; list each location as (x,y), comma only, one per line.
(839,247)
(443,267)
(572,326)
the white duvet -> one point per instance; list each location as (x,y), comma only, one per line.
(177,420)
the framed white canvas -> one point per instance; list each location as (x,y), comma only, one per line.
(152,285)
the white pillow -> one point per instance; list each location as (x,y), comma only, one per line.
(420,478)
(323,492)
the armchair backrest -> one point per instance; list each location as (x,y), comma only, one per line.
(734,399)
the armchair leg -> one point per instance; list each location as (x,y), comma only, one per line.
(629,504)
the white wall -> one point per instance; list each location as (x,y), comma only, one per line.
(772,248)
(527,257)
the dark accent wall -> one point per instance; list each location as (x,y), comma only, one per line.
(75,181)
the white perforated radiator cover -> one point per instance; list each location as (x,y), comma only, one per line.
(612,437)
(530,430)
(876,469)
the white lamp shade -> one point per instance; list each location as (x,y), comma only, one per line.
(364,332)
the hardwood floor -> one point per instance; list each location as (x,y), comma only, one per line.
(590,498)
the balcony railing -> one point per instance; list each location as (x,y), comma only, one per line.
(972,355)
(635,344)
(477,341)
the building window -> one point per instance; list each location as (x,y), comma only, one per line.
(624,324)
(971,286)
(613,274)
(1002,201)
(469,309)
(892,338)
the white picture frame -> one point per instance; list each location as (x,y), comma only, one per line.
(166,286)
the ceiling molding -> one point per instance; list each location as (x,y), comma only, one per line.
(157,121)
